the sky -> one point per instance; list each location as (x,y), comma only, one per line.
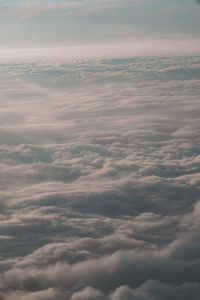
(112,27)
(99,150)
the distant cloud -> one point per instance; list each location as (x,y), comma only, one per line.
(177,45)
(30,9)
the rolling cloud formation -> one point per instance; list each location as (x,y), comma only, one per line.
(100,177)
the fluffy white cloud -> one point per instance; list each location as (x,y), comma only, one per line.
(100,179)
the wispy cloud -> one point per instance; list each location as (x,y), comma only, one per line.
(177,45)
(132,25)
(29,9)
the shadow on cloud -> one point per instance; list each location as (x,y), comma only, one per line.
(100,180)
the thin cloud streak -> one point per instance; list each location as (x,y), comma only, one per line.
(168,46)
(31,9)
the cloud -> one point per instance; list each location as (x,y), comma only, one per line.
(32,9)
(155,290)
(178,45)
(88,293)
(100,179)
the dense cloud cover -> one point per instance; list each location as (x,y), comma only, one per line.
(100,180)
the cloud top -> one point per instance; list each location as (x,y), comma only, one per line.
(100,179)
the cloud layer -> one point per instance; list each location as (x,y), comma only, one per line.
(100,180)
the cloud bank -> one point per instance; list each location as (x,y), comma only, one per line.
(100,179)
(172,45)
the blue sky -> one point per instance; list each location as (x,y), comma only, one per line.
(44,23)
